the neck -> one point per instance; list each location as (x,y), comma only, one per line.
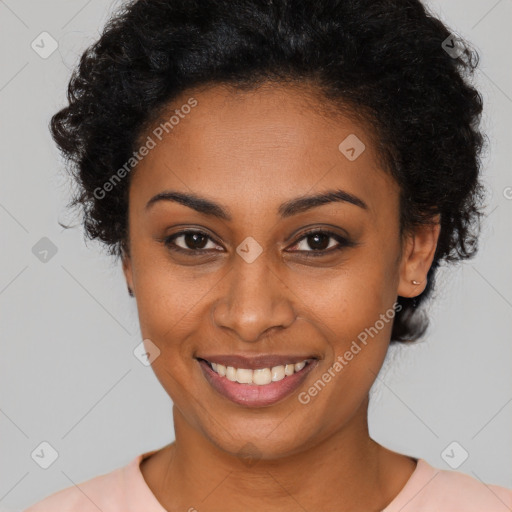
(346,471)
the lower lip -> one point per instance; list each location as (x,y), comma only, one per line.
(252,395)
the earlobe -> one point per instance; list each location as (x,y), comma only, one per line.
(417,258)
(127,271)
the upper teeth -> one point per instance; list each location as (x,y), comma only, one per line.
(261,376)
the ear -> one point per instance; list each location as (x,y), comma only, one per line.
(127,271)
(417,256)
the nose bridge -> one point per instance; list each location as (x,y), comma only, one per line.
(254,301)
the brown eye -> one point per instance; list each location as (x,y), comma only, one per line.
(194,240)
(318,241)
(321,243)
(189,241)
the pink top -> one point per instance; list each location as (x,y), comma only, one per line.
(427,490)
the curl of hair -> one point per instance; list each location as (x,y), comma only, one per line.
(381,60)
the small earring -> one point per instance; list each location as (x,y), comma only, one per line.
(130,293)
(415,282)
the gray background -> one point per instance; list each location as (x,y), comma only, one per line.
(68,328)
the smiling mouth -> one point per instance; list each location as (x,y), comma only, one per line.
(258,376)
(261,385)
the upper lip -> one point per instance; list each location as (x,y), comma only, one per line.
(255,362)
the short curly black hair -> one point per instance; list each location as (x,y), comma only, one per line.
(390,62)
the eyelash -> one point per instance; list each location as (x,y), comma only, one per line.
(343,243)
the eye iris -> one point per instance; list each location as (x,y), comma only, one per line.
(323,244)
(191,240)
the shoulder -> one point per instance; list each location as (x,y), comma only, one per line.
(463,490)
(110,492)
(430,488)
(87,496)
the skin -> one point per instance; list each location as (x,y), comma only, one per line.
(250,152)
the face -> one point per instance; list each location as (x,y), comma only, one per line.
(239,264)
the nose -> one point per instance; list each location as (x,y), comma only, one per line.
(254,301)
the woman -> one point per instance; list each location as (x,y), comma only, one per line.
(281,181)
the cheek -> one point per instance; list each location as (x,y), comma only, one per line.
(352,297)
(167,309)
(356,324)
(350,314)
(354,311)
(167,297)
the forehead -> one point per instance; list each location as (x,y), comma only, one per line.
(264,145)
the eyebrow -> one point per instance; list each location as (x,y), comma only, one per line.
(287,209)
